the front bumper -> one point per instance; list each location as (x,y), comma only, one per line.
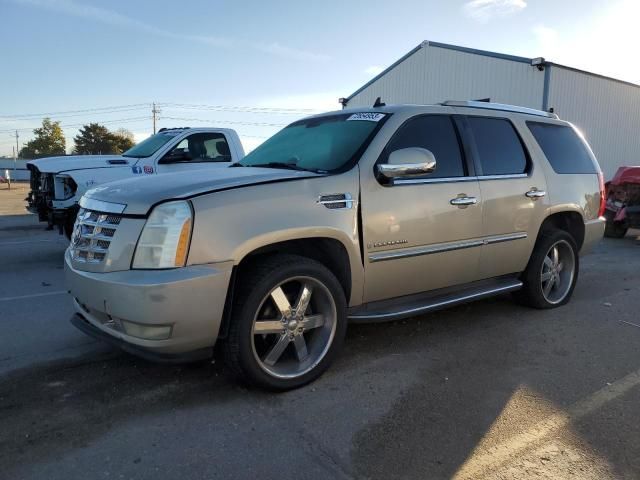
(190,300)
(593,234)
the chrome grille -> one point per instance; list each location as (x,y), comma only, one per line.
(92,235)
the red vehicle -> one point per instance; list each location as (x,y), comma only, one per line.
(623,202)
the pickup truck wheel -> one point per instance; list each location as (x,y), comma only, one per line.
(288,322)
(552,272)
(68,226)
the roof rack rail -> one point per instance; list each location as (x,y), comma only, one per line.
(498,106)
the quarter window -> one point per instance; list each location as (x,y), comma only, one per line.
(563,148)
(437,134)
(498,146)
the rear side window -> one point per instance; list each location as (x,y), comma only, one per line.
(498,146)
(437,134)
(563,148)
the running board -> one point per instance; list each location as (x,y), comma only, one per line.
(416,306)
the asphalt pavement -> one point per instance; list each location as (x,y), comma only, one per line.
(485,390)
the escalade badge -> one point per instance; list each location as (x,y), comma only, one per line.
(387,244)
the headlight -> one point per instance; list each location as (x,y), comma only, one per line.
(165,238)
(64,187)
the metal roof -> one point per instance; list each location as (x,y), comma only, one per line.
(475,51)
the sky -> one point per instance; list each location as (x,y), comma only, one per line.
(258,65)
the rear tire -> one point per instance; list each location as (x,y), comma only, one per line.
(615,229)
(552,271)
(288,322)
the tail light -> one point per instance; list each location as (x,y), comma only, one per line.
(603,199)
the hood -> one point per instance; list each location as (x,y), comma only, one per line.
(79,162)
(140,194)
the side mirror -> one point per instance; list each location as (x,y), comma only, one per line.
(407,163)
(176,156)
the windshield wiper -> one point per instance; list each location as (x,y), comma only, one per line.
(289,166)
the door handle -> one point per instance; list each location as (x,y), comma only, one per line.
(535,194)
(463,201)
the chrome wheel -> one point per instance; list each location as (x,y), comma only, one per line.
(558,270)
(294,327)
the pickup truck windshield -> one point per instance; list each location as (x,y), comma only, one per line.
(151,145)
(322,144)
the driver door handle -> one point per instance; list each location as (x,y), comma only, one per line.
(534,193)
(463,201)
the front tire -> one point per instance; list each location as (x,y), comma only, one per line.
(288,322)
(552,271)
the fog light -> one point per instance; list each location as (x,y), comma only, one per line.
(148,332)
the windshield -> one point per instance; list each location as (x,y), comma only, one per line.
(151,145)
(322,144)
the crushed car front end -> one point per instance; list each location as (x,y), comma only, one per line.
(52,198)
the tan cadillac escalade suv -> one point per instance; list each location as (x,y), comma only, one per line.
(364,215)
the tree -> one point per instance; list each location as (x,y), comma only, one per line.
(49,140)
(96,139)
(124,139)
(93,139)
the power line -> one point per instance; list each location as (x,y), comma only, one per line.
(72,111)
(192,106)
(230,122)
(242,109)
(119,120)
(67,115)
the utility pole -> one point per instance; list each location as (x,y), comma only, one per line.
(154,111)
(15,155)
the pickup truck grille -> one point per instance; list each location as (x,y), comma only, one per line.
(92,235)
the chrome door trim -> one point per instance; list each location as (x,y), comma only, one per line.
(502,177)
(505,238)
(443,247)
(437,305)
(426,250)
(101,206)
(416,181)
(480,178)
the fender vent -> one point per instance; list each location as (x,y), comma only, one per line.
(118,162)
(336,201)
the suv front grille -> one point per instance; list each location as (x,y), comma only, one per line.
(92,235)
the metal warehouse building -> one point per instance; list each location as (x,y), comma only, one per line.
(606,110)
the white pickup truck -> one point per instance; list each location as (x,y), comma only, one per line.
(58,183)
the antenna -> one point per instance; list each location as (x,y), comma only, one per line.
(378,103)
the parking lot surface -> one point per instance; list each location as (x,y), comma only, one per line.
(486,390)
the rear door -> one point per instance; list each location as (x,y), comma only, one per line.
(418,236)
(513,191)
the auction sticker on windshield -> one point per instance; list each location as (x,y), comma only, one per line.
(368,116)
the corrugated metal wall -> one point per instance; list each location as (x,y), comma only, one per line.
(434,74)
(607,112)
